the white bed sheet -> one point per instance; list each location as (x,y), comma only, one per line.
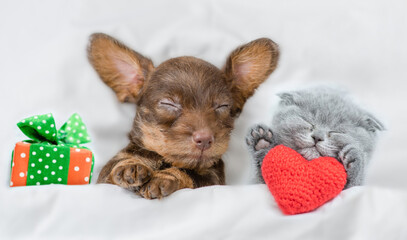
(357,45)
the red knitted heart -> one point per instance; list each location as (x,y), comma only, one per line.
(299,185)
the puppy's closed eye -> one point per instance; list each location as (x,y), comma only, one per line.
(168,111)
(169,105)
(220,108)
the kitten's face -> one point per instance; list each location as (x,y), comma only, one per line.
(319,123)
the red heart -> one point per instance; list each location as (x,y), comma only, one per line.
(299,185)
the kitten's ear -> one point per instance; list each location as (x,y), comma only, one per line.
(287,98)
(248,66)
(121,68)
(373,124)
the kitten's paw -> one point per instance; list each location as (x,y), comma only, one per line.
(130,176)
(161,185)
(260,140)
(350,156)
(260,137)
(353,161)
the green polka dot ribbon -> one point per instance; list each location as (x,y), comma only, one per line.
(41,128)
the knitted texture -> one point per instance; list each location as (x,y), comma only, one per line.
(299,185)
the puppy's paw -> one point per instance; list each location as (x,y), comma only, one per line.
(353,161)
(161,185)
(259,138)
(130,176)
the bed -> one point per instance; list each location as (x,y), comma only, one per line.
(359,46)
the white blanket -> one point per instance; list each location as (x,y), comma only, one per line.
(358,45)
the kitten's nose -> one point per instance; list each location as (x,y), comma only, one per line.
(318,137)
(203,139)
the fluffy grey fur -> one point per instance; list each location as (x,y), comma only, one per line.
(319,122)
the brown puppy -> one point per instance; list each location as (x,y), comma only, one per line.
(185,113)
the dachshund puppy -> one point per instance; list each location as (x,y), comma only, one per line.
(186,109)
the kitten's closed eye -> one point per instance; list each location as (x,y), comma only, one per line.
(333,133)
(298,124)
(308,125)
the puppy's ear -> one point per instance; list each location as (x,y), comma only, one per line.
(248,66)
(121,68)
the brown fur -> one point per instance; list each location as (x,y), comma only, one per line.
(181,98)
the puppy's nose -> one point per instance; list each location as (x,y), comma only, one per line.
(203,139)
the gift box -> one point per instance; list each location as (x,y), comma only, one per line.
(51,156)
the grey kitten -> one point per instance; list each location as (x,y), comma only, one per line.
(319,122)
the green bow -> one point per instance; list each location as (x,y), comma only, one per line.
(41,128)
